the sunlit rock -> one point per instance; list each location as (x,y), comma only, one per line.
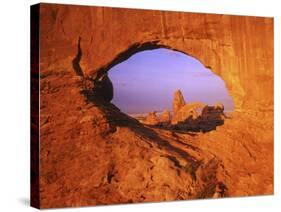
(165,116)
(151,119)
(178,101)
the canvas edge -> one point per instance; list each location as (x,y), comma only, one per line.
(34,106)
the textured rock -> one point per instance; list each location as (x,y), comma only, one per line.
(187,111)
(219,106)
(178,101)
(110,157)
(165,116)
(198,117)
(152,119)
(212,112)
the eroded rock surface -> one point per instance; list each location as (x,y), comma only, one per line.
(187,111)
(152,119)
(165,117)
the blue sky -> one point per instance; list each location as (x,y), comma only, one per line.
(148,79)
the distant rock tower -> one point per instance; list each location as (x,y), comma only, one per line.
(178,101)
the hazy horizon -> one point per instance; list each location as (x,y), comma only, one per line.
(147,81)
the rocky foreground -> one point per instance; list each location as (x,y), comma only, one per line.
(91,154)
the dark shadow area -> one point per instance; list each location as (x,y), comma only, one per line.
(76,61)
(103,88)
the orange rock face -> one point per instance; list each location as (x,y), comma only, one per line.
(165,116)
(152,119)
(186,111)
(91,153)
(178,101)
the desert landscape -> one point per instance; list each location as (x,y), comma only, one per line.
(92,153)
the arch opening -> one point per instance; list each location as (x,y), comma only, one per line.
(149,84)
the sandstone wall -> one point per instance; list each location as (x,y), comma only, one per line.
(239,49)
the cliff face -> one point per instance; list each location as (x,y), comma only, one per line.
(239,49)
(91,153)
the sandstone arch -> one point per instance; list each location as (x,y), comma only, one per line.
(76,134)
(239,49)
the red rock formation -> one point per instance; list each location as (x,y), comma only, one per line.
(219,106)
(178,101)
(165,116)
(152,119)
(91,153)
(187,111)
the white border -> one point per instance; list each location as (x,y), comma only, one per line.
(14,104)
